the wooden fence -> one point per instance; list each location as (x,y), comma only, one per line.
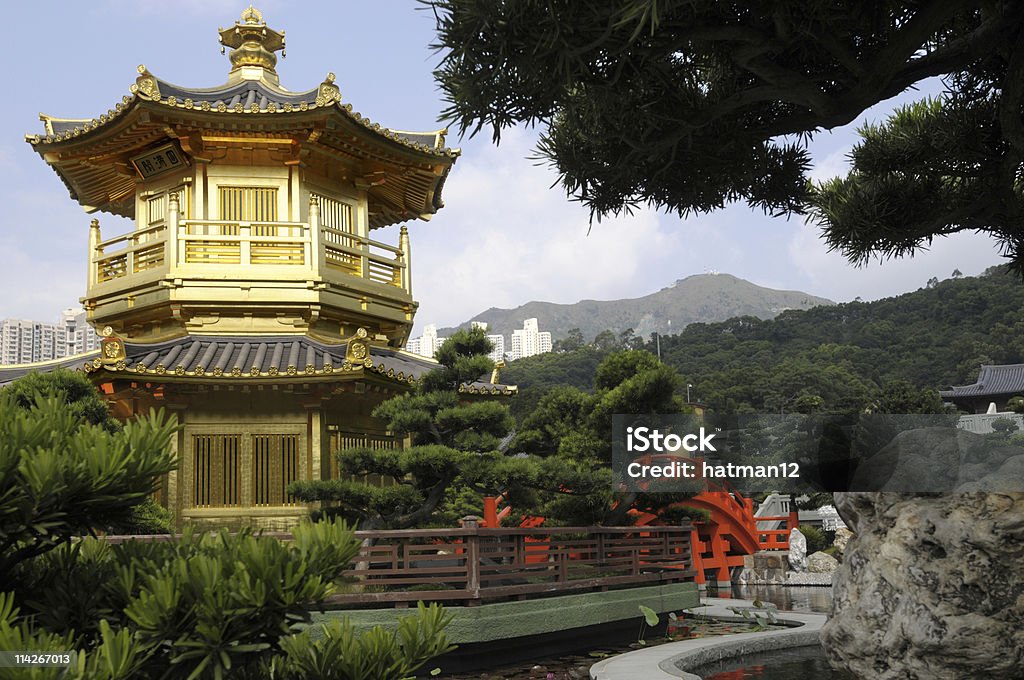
(474,565)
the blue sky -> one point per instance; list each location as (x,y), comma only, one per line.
(505,237)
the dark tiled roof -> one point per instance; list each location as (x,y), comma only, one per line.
(268,357)
(992,380)
(246,97)
(245,93)
(15,371)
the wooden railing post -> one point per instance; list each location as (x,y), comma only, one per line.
(172,230)
(471,526)
(95,251)
(405,256)
(318,256)
(245,243)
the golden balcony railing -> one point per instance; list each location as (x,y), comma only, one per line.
(244,243)
(129,253)
(233,249)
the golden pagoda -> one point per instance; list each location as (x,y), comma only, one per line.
(251,297)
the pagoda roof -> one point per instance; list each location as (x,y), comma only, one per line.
(11,372)
(403,172)
(245,97)
(992,380)
(248,358)
(251,358)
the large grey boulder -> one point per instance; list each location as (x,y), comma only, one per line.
(821,563)
(797,550)
(931,586)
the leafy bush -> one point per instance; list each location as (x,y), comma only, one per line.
(59,478)
(1004,425)
(378,653)
(816,538)
(72,389)
(210,605)
(148,517)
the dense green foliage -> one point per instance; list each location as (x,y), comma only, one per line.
(71,388)
(455,444)
(207,606)
(690,105)
(833,358)
(199,606)
(61,476)
(572,429)
(148,517)
(817,539)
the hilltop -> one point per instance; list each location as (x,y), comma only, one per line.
(702,298)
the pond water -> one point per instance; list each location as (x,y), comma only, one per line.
(807,599)
(806,663)
(799,663)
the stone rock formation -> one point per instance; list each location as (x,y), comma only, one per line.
(843,536)
(931,586)
(821,563)
(764,568)
(797,551)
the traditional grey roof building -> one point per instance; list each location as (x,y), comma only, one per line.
(996,384)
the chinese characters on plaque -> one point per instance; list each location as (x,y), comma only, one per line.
(159,160)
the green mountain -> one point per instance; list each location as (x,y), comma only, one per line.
(699,298)
(829,358)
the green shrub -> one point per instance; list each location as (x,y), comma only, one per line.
(1004,425)
(148,517)
(71,388)
(60,478)
(816,540)
(210,606)
(341,654)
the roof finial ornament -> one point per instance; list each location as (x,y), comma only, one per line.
(253,45)
(252,16)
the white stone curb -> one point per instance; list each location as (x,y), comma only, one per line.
(665,662)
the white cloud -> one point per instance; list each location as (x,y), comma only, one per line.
(835,164)
(830,275)
(507,237)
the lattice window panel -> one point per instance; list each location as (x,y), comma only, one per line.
(275,465)
(249,204)
(216,470)
(335,214)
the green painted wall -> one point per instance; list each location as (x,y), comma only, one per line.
(506,620)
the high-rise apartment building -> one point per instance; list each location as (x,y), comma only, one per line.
(79,335)
(427,344)
(529,340)
(497,341)
(23,341)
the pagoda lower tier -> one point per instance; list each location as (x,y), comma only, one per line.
(257,413)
